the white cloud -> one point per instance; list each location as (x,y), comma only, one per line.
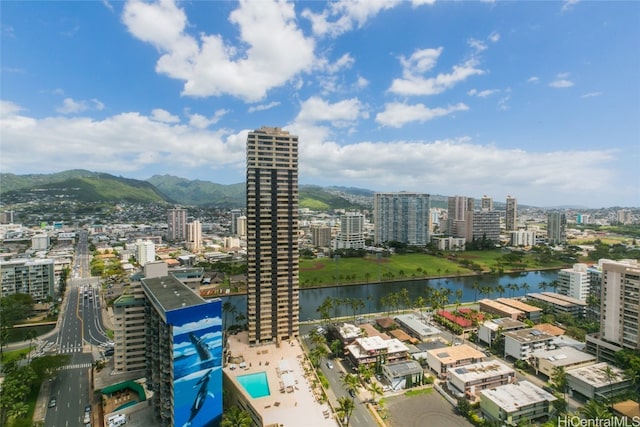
(8,108)
(503,103)
(494,37)
(533,79)
(131,143)
(398,114)
(483,93)
(339,114)
(457,166)
(263,107)
(591,94)
(201,122)
(478,45)
(568,4)
(344,15)
(71,106)
(421,2)
(561,81)
(417,85)
(209,66)
(107,5)
(421,61)
(123,143)
(362,82)
(164,116)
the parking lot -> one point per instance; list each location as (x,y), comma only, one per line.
(421,410)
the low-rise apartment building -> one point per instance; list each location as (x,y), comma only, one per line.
(467,381)
(441,360)
(564,357)
(511,403)
(376,350)
(600,381)
(523,343)
(490,329)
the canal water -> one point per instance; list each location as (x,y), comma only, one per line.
(372,293)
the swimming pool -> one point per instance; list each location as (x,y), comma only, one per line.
(255,384)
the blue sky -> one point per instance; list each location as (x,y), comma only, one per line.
(537,100)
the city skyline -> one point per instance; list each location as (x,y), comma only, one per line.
(537,99)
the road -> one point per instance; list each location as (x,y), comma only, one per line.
(81,324)
(360,416)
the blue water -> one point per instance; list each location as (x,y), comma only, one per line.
(372,293)
(255,384)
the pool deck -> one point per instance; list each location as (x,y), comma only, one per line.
(292,400)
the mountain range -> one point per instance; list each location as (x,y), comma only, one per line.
(86,186)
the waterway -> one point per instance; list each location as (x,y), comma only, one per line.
(372,293)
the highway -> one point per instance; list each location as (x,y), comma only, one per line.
(80,324)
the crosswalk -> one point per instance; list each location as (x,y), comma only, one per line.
(74,349)
(77,366)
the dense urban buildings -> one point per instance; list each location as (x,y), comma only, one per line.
(511,214)
(457,209)
(486,203)
(272,227)
(183,353)
(177,225)
(401,217)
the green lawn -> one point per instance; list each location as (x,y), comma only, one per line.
(327,271)
(8,356)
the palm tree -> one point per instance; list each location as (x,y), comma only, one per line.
(345,408)
(611,375)
(236,417)
(525,287)
(227,308)
(376,390)
(559,379)
(500,290)
(352,384)
(459,294)
(476,288)
(30,335)
(542,285)
(594,410)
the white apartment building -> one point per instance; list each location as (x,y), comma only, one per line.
(511,403)
(574,282)
(33,277)
(145,252)
(351,235)
(523,343)
(522,238)
(40,242)
(194,236)
(401,217)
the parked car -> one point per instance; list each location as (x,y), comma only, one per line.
(329,364)
(87,409)
(52,402)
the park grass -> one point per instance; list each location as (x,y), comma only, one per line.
(9,356)
(327,271)
(419,392)
(371,269)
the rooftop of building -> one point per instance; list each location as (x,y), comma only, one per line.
(556,299)
(550,329)
(455,353)
(628,408)
(288,403)
(499,306)
(597,375)
(506,323)
(565,356)
(404,368)
(528,335)
(128,299)
(170,293)
(516,303)
(477,371)
(511,397)
(374,344)
(349,331)
(416,324)
(371,331)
